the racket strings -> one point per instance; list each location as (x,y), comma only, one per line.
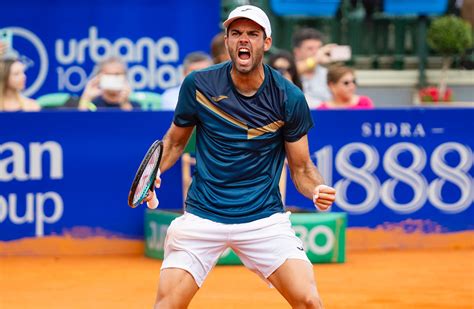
(146,177)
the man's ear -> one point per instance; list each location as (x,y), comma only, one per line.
(225,42)
(267,44)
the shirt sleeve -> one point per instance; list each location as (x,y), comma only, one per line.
(185,114)
(298,120)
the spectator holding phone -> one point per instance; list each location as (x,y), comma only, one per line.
(343,85)
(109,88)
(12,82)
(310,55)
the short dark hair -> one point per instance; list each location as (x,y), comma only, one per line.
(218,46)
(194,57)
(303,34)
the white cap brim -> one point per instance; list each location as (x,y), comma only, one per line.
(253,13)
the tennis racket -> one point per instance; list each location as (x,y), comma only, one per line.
(145,176)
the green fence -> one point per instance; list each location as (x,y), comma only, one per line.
(323,235)
(378,40)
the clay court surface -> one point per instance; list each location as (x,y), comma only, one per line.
(427,279)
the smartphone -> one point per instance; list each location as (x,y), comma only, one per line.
(112,82)
(6,37)
(341,53)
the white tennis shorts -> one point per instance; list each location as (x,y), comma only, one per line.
(195,244)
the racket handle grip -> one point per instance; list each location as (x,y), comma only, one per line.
(153,203)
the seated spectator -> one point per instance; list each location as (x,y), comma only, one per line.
(109,88)
(193,61)
(12,82)
(310,55)
(284,63)
(342,84)
(218,50)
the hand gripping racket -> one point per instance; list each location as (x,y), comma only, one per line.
(145,176)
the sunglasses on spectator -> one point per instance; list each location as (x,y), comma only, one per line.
(348,82)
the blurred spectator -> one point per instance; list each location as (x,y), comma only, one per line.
(310,55)
(218,50)
(284,63)
(193,61)
(109,88)
(12,82)
(343,85)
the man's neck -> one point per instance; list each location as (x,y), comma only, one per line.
(248,84)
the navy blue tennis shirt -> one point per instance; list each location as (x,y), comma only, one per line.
(240,142)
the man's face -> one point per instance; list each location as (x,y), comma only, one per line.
(246,44)
(307,49)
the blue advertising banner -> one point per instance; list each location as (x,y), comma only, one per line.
(61,41)
(62,170)
(67,169)
(393,165)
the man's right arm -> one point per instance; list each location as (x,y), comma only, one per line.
(174,143)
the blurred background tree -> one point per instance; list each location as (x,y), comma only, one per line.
(450,36)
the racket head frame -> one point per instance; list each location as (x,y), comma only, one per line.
(136,180)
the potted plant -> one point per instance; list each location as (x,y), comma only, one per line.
(449,36)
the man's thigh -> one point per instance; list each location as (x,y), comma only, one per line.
(176,289)
(264,245)
(294,279)
(194,244)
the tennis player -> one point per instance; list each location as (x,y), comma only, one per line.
(248,118)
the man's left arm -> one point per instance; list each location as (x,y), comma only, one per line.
(306,176)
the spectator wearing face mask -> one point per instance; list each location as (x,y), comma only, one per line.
(109,88)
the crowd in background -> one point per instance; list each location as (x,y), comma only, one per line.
(309,64)
(326,82)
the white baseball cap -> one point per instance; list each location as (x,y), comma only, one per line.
(253,13)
